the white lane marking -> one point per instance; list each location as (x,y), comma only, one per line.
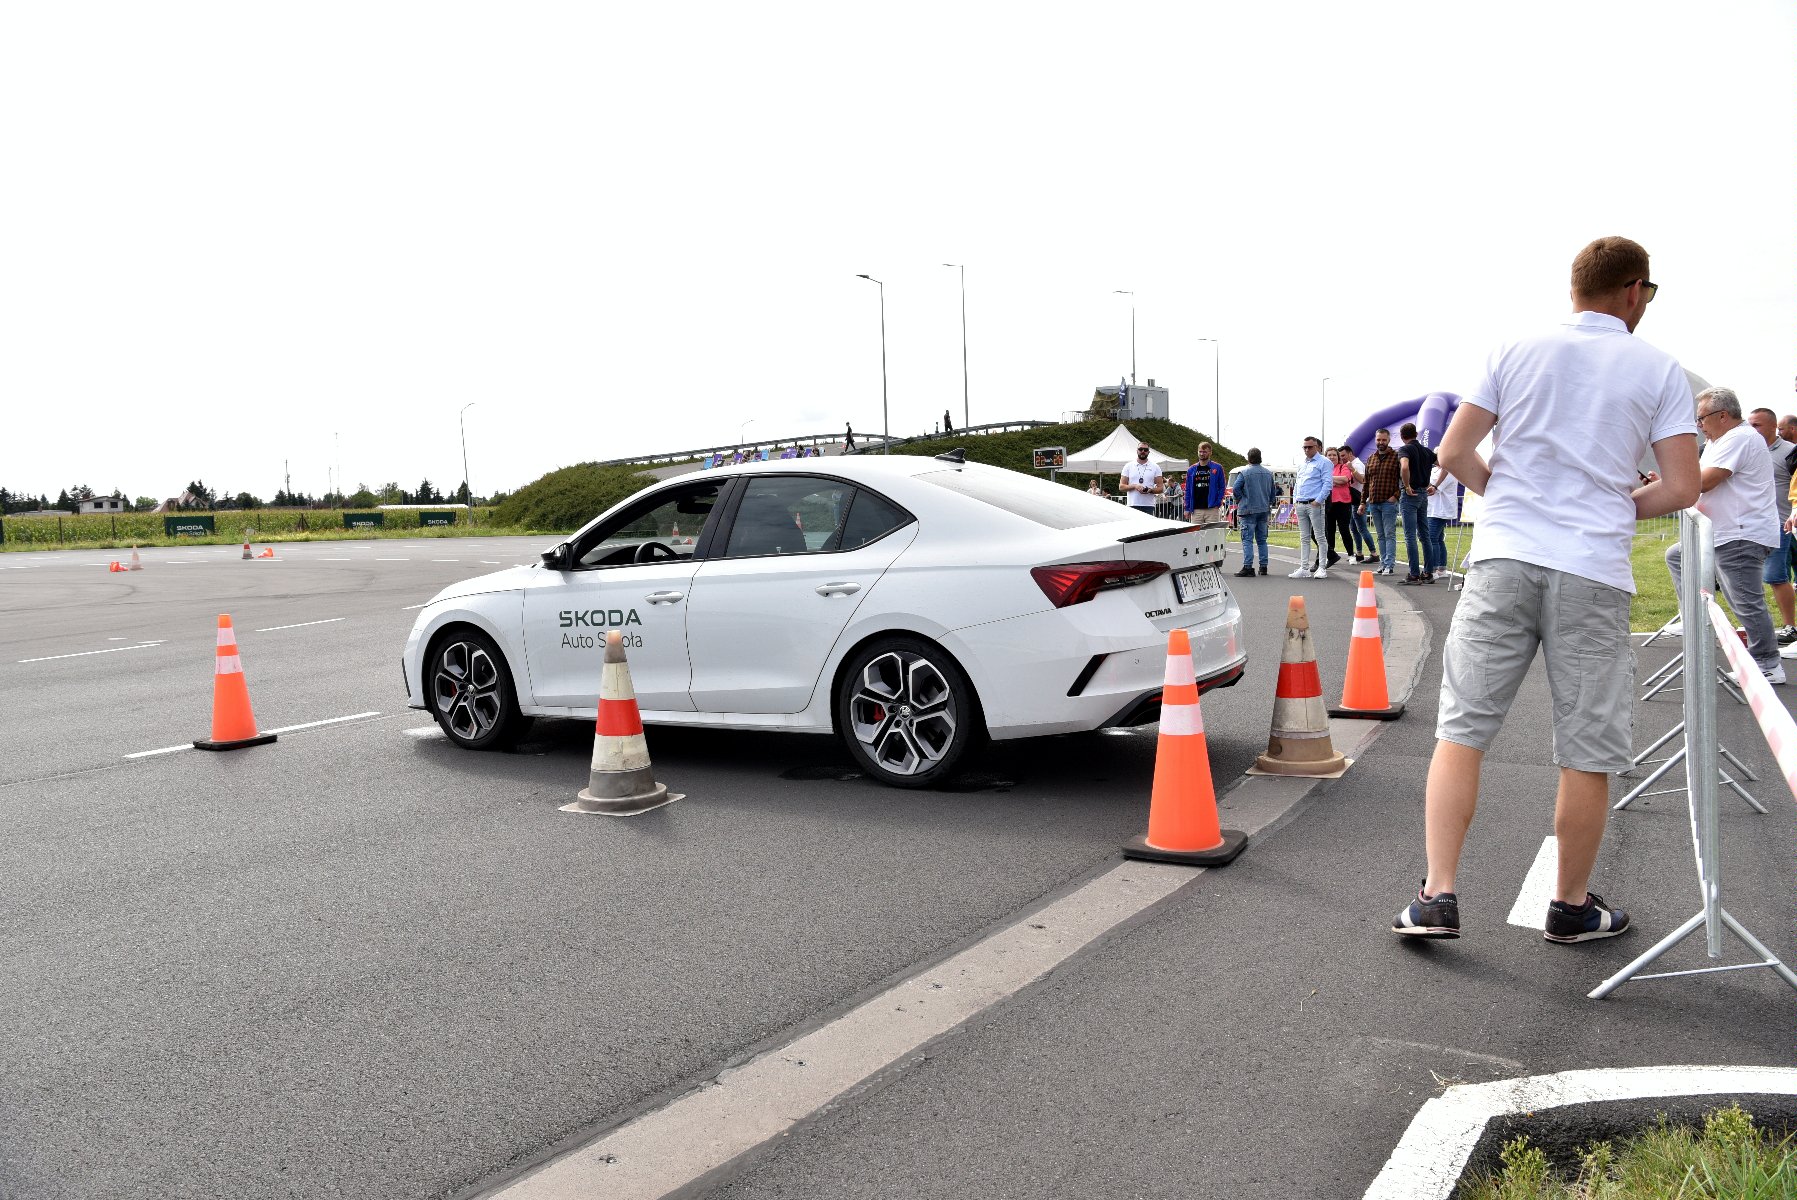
(491,562)
(1428,1160)
(85,653)
(1530,909)
(392,560)
(300,625)
(423,731)
(446,560)
(410,607)
(765,1097)
(282,729)
(112,639)
(178,562)
(336,560)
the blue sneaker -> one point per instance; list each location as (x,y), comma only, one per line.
(1436,916)
(1584,922)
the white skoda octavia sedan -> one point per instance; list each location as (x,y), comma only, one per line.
(910,605)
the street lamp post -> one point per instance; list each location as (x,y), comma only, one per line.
(1324,431)
(1216,386)
(885,412)
(1132,332)
(462,421)
(962,267)
(739,431)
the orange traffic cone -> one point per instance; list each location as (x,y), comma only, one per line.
(246,552)
(1364,693)
(136,562)
(268,552)
(114,566)
(1299,743)
(1182,810)
(620,782)
(233,724)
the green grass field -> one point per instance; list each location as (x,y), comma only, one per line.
(105,531)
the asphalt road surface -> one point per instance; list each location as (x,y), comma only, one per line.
(362,963)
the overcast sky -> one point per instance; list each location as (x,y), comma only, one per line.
(240,233)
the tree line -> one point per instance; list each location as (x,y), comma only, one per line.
(198,497)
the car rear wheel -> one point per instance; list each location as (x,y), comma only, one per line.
(906,712)
(470,692)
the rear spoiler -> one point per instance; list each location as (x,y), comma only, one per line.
(1155,533)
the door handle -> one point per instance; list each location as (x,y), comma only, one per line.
(838,589)
(665,597)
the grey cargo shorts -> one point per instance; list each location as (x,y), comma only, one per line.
(1509,609)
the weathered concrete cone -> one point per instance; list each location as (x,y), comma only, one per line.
(136,562)
(233,724)
(246,552)
(1364,693)
(1299,743)
(1182,809)
(621,782)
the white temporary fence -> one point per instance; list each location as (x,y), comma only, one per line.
(1698,547)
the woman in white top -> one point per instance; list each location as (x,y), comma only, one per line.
(1444,509)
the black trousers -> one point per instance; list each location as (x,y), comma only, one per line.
(1338,518)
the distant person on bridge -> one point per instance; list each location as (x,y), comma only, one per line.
(1550,573)
(848,438)
(948,426)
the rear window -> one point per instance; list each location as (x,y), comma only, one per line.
(1049,504)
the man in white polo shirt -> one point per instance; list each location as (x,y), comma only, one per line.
(1142,482)
(1550,571)
(1737,498)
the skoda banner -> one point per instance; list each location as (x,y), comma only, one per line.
(373,520)
(188,525)
(428,519)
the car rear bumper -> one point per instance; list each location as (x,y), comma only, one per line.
(1036,676)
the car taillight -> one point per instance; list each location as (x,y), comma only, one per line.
(1075,583)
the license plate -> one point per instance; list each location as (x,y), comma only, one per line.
(1198,585)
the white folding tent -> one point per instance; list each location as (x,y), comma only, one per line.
(1117,451)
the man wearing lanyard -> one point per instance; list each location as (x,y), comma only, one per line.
(1142,482)
(1311,493)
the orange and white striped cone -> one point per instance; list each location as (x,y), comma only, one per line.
(115,565)
(1364,693)
(246,552)
(267,552)
(136,562)
(233,724)
(1299,743)
(621,782)
(1182,809)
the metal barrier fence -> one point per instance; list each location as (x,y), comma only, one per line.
(1702,619)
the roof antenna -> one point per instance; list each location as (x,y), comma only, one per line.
(957,456)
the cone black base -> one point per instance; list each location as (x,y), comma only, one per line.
(629,806)
(1368,714)
(258,740)
(1234,842)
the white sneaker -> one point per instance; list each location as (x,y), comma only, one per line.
(1320,574)
(1776,675)
(1300,573)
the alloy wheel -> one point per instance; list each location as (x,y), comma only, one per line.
(903,711)
(466,688)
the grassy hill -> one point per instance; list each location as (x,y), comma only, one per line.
(1012,450)
(568,498)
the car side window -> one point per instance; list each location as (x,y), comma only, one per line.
(870,518)
(662,527)
(788,514)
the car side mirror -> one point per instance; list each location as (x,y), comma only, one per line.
(557,558)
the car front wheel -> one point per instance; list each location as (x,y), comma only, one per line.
(470,692)
(907,712)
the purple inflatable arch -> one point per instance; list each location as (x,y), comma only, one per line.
(1431,414)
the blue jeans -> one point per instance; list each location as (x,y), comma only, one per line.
(1254,536)
(1415,511)
(1385,512)
(1438,545)
(1365,535)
